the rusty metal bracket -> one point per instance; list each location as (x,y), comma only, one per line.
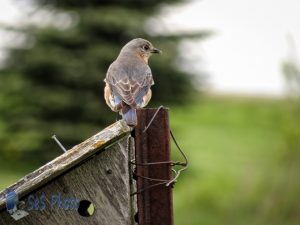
(154,173)
(172,163)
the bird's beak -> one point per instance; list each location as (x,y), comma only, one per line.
(156,50)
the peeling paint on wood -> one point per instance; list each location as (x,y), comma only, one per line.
(68,160)
(104,180)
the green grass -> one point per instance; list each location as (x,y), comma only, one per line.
(234,146)
(236,173)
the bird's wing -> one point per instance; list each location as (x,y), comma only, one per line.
(148,82)
(129,84)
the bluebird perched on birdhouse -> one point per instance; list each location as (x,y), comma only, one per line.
(129,79)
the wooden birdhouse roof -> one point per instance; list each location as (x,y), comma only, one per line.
(71,158)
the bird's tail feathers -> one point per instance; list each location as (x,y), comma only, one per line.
(130,117)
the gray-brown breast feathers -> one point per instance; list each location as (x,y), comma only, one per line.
(129,80)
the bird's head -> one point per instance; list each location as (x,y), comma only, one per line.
(141,48)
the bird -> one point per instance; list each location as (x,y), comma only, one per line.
(129,79)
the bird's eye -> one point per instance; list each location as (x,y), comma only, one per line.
(146,47)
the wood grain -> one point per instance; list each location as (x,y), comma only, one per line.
(71,158)
(103,180)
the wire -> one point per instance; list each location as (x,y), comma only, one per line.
(177,173)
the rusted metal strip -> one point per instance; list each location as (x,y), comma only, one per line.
(155,205)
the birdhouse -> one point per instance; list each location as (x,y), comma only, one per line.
(116,177)
(89,184)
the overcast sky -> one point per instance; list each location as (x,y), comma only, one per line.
(249,44)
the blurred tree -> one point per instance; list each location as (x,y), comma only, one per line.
(52,83)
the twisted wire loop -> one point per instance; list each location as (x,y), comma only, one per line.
(176,173)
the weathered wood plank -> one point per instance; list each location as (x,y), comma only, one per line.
(67,160)
(103,180)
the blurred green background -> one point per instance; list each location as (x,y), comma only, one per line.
(244,152)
